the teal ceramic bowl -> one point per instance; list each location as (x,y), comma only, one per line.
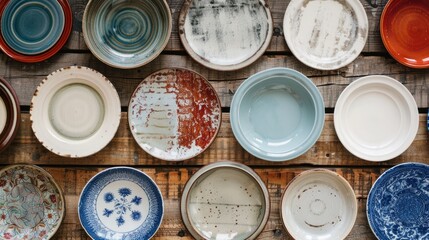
(126,34)
(32,26)
(277,114)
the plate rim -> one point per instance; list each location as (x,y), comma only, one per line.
(125,168)
(190,183)
(68,19)
(299,78)
(55,40)
(113,117)
(135,65)
(340,179)
(11,127)
(54,183)
(384,174)
(386,43)
(408,99)
(349,58)
(204,80)
(257,55)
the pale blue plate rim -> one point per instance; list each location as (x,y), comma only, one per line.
(387,173)
(103,176)
(43,48)
(291,75)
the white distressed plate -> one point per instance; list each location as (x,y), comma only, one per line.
(376,118)
(325,34)
(174,114)
(225,35)
(319,205)
(75,112)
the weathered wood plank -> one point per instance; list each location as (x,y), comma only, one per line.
(123,150)
(26,77)
(278,8)
(171,181)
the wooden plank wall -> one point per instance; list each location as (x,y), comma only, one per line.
(72,174)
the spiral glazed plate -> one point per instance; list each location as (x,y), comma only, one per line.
(397,206)
(121,203)
(126,34)
(32,27)
(31,203)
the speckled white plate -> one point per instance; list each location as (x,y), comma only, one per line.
(225,35)
(325,34)
(225,200)
(75,112)
(376,118)
(174,114)
(319,205)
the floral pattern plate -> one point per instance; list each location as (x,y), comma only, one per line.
(121,203)
(31,203)
(398,202)
(174,114)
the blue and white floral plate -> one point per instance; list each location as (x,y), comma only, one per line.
(121,203)
(398,203)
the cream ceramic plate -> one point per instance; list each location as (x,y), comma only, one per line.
(75,112)
(225,35)
(3,115)
(325,34)
(225,200)
(319,205)
(376,118)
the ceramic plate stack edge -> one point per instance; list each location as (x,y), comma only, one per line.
(10,114)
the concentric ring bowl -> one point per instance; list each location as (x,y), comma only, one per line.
(126,34)
(277,114)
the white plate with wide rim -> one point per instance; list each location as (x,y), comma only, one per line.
(376,118)
(75,112)
(319,205)
(325,34)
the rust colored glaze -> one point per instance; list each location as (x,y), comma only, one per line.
(404,28)
(68,19)
(174,114)
(10,99)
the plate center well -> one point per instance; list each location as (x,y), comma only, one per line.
(32,22)
(76,111)
(3,115)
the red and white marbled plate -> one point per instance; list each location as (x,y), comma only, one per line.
(174,114)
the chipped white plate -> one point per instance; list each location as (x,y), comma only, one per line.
(319,205)
(376,118)
(325,34)
(75,112)
(225,35)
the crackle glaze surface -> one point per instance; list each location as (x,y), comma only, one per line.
(174,114)
(325,34)
(225,34)
(224,202)
(121,203)
(31,203)
(319,204)
(397,206)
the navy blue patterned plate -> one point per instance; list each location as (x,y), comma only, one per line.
(398,203)
(121,203)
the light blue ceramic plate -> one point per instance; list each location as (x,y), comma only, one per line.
(398,203)
(277,114)
(32,26)
(126,34)
(121,203)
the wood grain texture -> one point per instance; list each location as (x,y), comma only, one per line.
(123,150)
(373,10)
(171,182)
(26,77)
